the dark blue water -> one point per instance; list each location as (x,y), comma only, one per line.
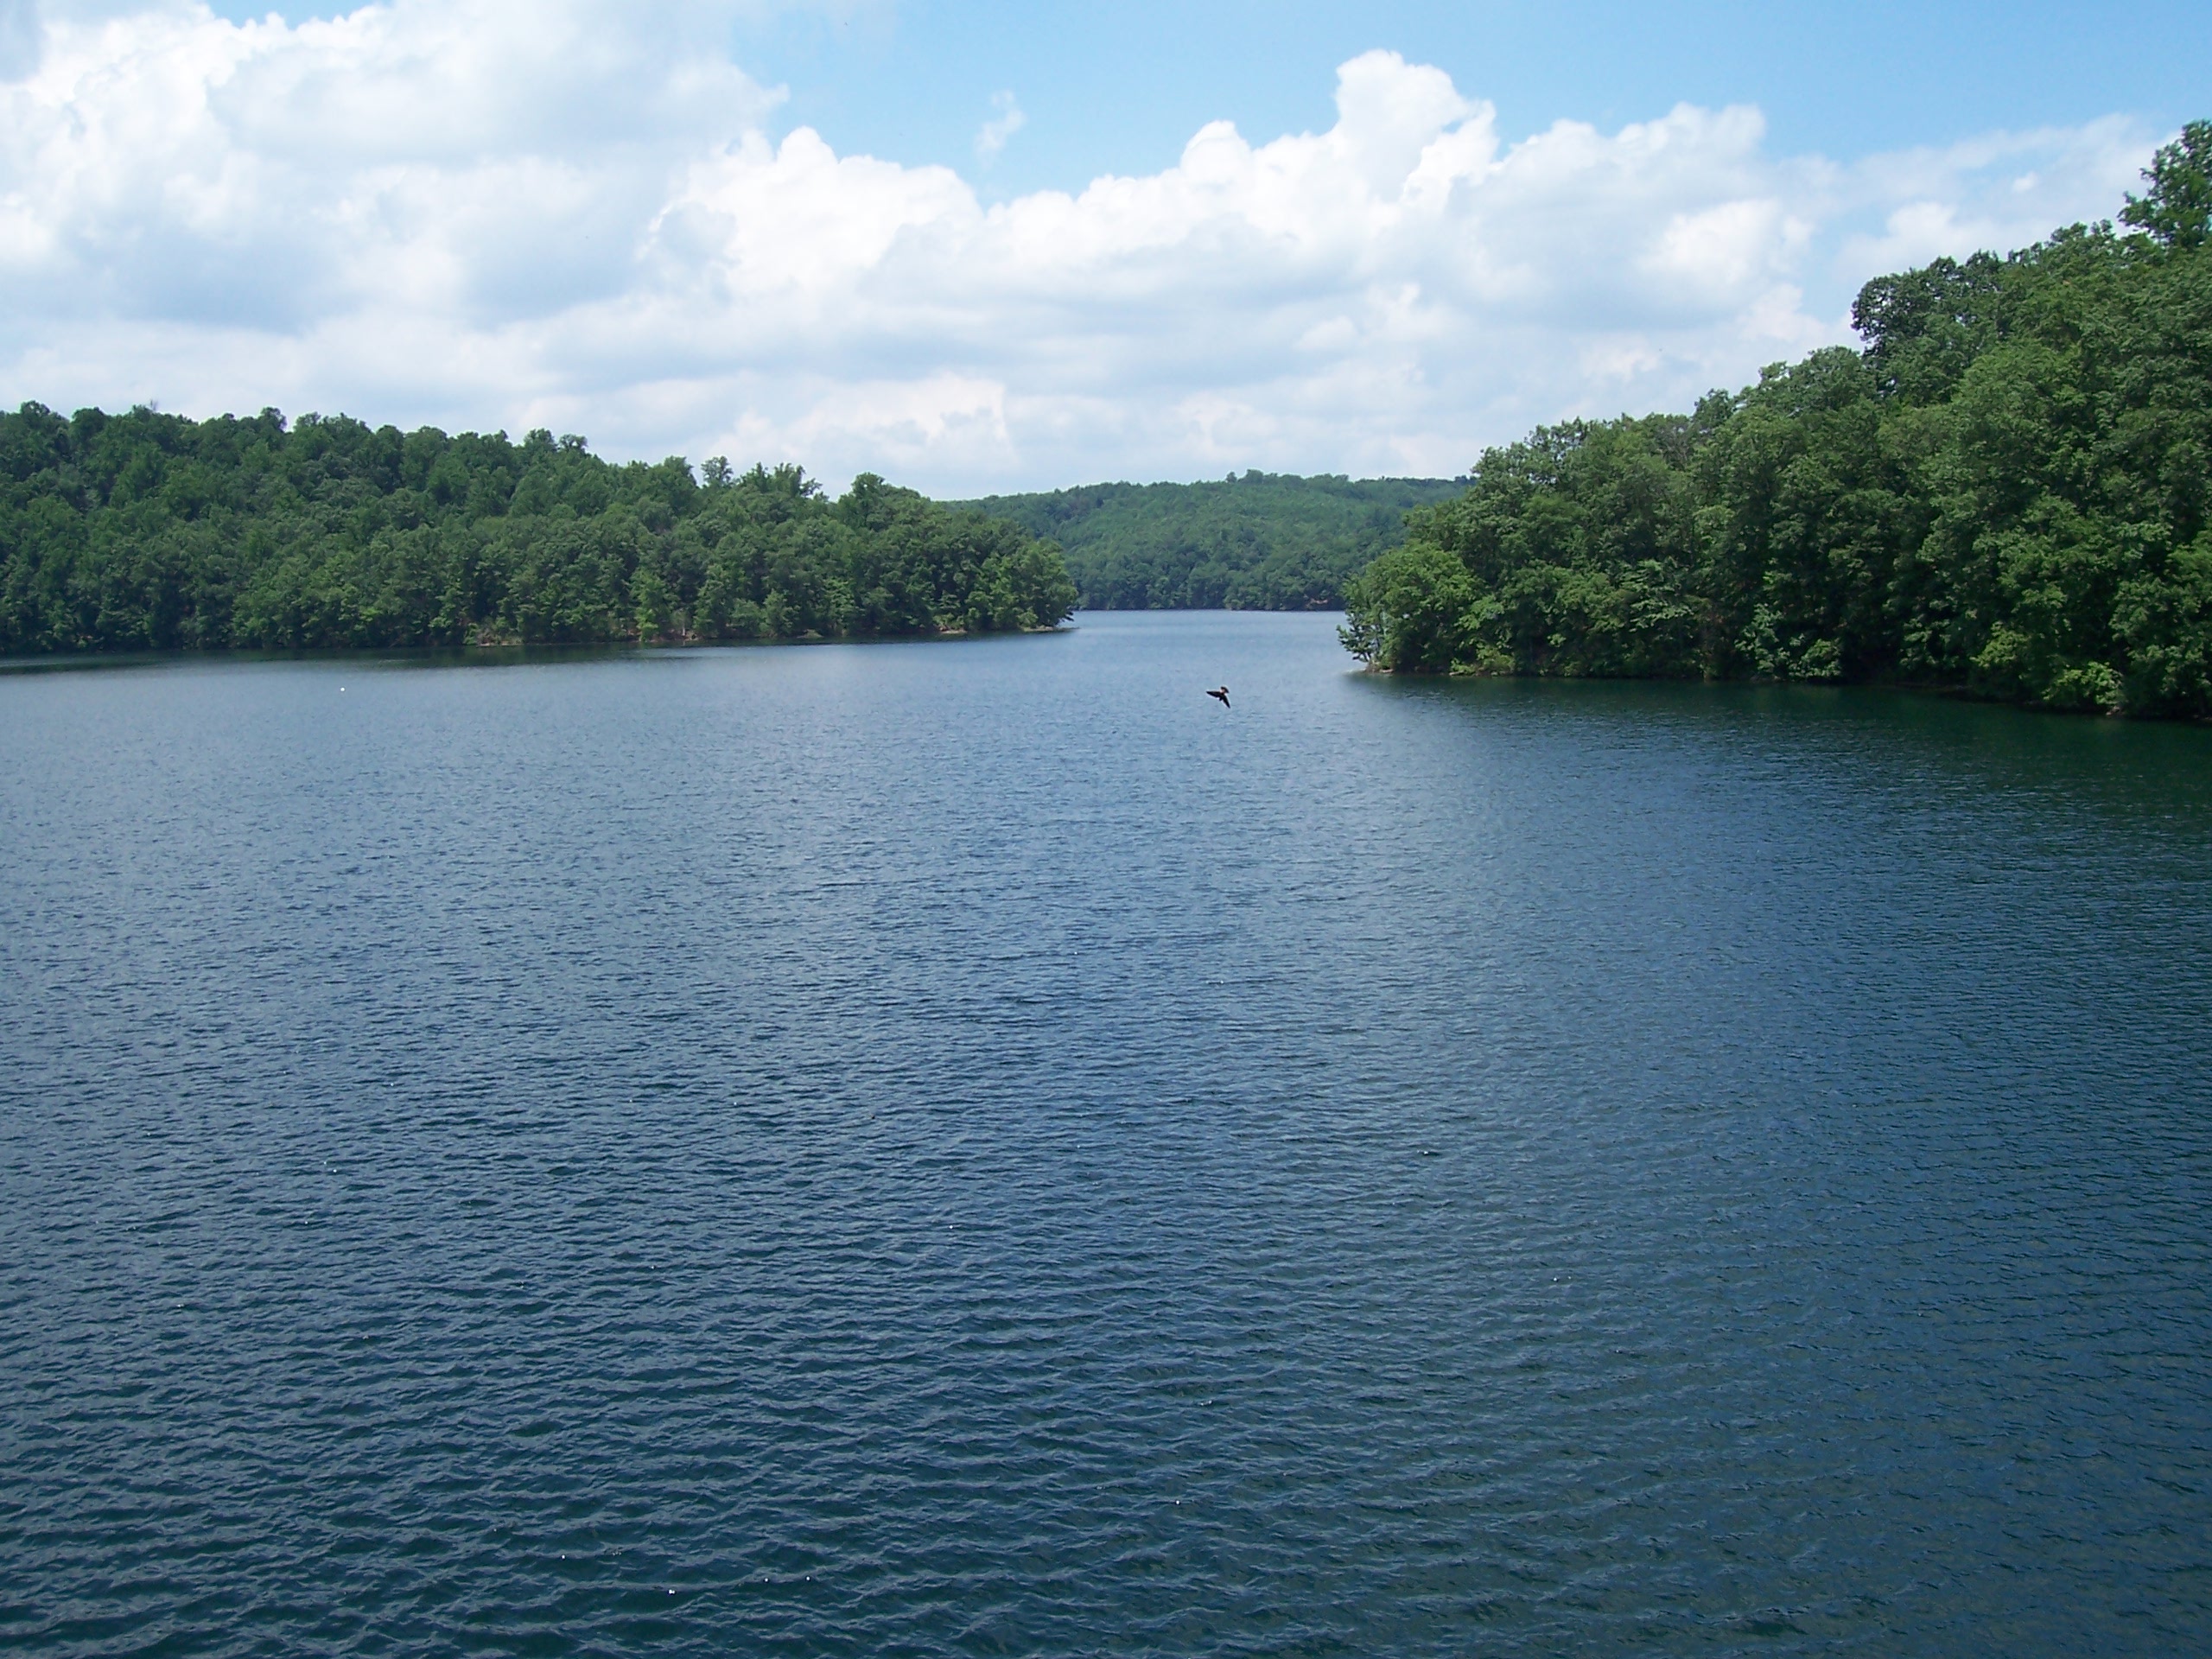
(973,1149)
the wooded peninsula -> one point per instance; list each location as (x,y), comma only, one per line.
(2005,492)
(151,531)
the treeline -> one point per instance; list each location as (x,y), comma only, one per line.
(2003,492)
(147,530)
(1263,542)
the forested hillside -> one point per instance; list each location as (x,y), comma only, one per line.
(1263,542)
(2005,491)
(149,530)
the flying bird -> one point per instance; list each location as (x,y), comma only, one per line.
(1223,694)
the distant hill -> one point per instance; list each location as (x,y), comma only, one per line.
(1263,542)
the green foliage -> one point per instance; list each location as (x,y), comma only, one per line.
(1263,542)
(147,530)
(2178,208)
(1412,609)
(2005,492)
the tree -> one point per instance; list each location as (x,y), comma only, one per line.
(2006,493)
(1408,611)
(145,530)
(2176,210)
(1257,541)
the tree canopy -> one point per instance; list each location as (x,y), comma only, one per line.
(2004,491)
(1260,542)
(147,530)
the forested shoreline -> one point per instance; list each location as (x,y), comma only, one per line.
(151,531)
(1253,542)
(2005,492)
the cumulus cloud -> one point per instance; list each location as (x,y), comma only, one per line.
(575,215)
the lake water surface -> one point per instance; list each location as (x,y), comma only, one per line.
(973,1148)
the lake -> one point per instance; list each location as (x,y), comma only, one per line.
(972,1148)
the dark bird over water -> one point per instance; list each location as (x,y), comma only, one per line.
(1223,694)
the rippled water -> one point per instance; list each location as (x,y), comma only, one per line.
(973,1149)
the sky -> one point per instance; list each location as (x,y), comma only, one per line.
(981,247)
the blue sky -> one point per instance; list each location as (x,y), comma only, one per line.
(992,247)
(1119,88)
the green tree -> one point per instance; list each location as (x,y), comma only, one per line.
(144,530)
(1412,611)
(2007,491)
(2176,210)
(1258,541)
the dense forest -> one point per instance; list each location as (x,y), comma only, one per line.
(148,530)
(1263,542)
(2003,492)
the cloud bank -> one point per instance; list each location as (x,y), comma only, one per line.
(574,214)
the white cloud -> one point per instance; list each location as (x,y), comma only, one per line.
(573,215)
(1010,120)
(1999,190)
